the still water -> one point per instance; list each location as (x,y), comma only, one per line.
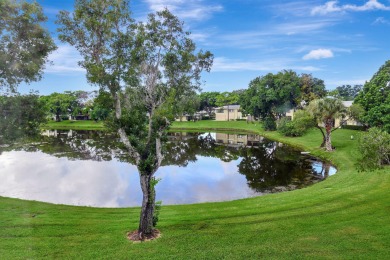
(89,168)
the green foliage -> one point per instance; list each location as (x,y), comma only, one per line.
(20,116)
(271,95)
(355,127)
(187,104)
(297,127)
(311,88)
(325,111)
(156,213)
(102,106)
(61,104)
(274,94)
(374,147)
(346,92)
(227,98)
(269,124)
(375,99)
(24,43)
(208,100)
(146,67)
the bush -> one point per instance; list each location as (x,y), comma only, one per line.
(374,147)
(269,124)
(354,127)
(298,127)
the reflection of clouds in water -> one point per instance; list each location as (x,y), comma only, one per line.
(58,180)
(208,179)
(38,176)
(230,167)
(115,184)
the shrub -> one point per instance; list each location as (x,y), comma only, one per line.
(374,147)
(299,126)
(355,127)
(269,124)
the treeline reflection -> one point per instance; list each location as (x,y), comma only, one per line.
(267,165)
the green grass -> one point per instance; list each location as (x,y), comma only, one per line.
(347,216)
(75,125)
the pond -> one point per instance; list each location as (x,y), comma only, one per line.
(89,168)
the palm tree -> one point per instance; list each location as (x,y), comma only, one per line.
(325,111)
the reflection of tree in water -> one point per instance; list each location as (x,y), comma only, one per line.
(80,145)
(267,167)
(184,147)
(273,168)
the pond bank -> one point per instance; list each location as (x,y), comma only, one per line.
(345,216)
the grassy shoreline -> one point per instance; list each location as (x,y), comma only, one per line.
(74,125)
(346,216)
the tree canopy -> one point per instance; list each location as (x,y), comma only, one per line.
(346,92)
(271,95)
(24,43)
(20,115)
(146,67)
(375,99)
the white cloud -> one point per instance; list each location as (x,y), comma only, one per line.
(185,9)
(332,7)
(65,60)
(222,64)
(381,20)
(318,54)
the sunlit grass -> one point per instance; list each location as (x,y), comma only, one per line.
(346,216)
(74,125)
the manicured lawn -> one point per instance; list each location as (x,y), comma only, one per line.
(346,216)
(75,125)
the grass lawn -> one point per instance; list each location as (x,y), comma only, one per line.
(347,216)
(75,125)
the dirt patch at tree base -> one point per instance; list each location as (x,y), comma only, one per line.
(135,237)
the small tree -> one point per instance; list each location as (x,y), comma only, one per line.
(325,111)
(374,146)
(24,43)
(146,67)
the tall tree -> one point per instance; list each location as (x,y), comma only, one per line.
(60,104)
(154,62)
(24,43)
(208,101)
(375,99)
(271,95)
(187,104)
(311,88)
(346,92)
(325,111)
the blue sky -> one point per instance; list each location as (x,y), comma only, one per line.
(341,42)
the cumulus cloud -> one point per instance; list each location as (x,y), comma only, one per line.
(185,9)
(318,54)
(333,6)
(64,60)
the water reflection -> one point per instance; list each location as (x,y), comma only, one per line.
(89,168)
